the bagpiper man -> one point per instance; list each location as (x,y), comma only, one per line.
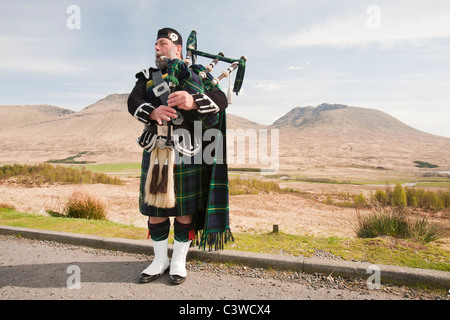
(200,204)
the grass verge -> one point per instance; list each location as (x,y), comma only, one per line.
(388,251)
(9,217)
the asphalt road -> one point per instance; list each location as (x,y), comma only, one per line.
(37,269)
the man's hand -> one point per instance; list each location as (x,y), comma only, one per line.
(182,100)
(163,113)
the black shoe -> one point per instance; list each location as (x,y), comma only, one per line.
(146,278)
(176,279)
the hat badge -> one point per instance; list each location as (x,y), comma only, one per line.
(173,37)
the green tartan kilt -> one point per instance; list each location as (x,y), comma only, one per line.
(189,189)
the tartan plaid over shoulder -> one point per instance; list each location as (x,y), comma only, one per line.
(216,229)
(201,189)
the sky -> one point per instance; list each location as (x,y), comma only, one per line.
(392,56)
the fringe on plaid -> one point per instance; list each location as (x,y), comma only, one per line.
(212,240)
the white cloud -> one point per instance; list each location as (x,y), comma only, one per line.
(270,86)
(25,54)
(297,67)
(390,26)
(294,68)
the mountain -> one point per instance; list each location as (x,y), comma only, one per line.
(341,117)
(326,135)
(297,116)
(339,135)
(21,115)
(236,122)
(104,129)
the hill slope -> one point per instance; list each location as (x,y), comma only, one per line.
(20,115)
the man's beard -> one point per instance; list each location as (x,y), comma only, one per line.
(162,63)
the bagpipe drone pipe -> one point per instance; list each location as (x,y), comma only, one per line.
(159,186)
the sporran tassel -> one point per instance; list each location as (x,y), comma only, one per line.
(162,186)
(155,179)
(152,174)
(162,156)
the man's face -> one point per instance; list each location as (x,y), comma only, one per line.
(165,47)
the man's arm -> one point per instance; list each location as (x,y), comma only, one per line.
(138,106)
(142,110)
(210,102)
(202,107)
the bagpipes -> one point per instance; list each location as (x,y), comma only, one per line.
(191,58)
(159,186)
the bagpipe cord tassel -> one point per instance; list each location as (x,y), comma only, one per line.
(170,195)
(230,91)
